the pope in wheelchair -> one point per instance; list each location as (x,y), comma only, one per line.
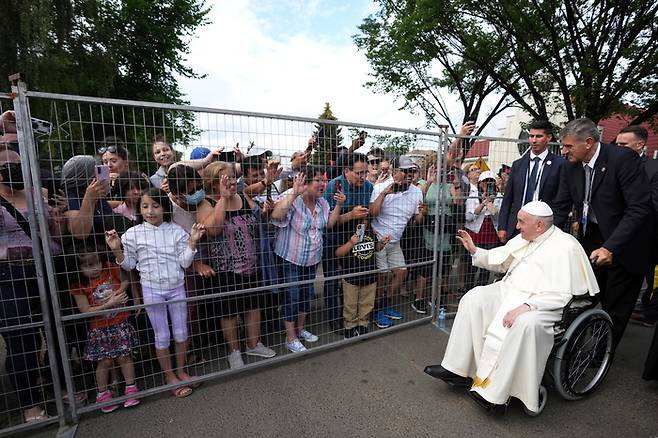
(503,333)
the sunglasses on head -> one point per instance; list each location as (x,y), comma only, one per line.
(110,149)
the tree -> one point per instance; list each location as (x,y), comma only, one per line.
(329,138)
(584,58)
(132,49)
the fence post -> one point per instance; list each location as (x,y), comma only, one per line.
(40,233)
(439,215)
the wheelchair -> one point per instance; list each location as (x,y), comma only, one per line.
(582,352)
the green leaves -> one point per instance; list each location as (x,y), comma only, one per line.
(582,57)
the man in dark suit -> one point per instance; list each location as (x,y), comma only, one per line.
(609,192)
(535,176)
(635,138)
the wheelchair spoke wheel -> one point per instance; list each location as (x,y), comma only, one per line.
(584,359)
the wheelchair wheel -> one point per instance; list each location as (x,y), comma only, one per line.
(583,360)
(543,397)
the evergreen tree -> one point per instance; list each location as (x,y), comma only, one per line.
(328,137)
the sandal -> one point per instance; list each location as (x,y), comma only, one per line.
(42,415)
(182,391)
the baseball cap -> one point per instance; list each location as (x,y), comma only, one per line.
(199,152)
(486,175)
(403,162)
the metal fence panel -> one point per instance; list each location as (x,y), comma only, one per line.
(257,294)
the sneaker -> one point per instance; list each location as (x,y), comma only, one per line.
(103,397)
(295,346)
(362,329)
(235,360)
(420,306)
(131,389)
(308,336)
(381,320)
(351,332)
(260,350)
(392,313)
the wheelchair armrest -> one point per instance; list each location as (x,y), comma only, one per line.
(576,305)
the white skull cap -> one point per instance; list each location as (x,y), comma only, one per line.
(537,208)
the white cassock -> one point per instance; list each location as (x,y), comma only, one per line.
(509,362)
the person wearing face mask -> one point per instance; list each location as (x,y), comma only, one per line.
(19,290)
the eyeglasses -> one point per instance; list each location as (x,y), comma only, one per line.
(406,171)
(110,149)
(375,161)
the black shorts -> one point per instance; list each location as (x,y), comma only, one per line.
(231,305)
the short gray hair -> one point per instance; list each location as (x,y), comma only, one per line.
(581,129)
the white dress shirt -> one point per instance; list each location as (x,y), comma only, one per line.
(160,254)
(541,163)
(396,210)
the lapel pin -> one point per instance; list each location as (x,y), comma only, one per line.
(548,163)
(603,169)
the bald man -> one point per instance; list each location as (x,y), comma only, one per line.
(503,332)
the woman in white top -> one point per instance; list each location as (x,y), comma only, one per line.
(161,250)
(482,220)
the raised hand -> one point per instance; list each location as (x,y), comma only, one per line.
(97,190)
(431,174)
(197,232)
(340,197)
(467,241)
(112,239)
(224,190)
(299,184)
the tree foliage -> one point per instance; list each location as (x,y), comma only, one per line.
(329,138)
(130,49)
(583,58)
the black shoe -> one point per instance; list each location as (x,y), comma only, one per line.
(438,372)
(487,405)
(350,333)
(362,329)
(420,306)
(641,318)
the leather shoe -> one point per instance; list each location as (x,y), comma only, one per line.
(487,405)
(438,372)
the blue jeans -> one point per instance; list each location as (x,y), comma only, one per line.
(298,296)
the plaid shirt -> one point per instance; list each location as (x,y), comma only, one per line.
(299,234)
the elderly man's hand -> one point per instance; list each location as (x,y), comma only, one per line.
(601,257)
(467,241)
(510,317)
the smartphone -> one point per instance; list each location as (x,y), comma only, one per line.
(400,187)
(269,192)
(102,173)
(227,157)
(360,231)
(339,186)
(470,118)
(450,177)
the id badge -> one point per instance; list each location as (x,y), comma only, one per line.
(583,220)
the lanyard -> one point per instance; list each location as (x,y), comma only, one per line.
(588,195)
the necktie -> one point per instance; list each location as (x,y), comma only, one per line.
(532,182)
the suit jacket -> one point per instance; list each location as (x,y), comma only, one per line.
(513,198)
(621,201)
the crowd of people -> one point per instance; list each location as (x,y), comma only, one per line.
(223,240)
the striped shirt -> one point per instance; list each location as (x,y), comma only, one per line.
(299,234)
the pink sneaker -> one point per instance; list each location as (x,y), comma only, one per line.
(132,389)
(103,397)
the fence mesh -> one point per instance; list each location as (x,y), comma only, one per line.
(183,244)
(188,243)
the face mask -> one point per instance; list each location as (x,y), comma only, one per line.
(12,176)
(196,197)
